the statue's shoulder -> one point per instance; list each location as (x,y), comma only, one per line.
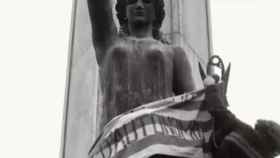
(133,44)
(178,51)
(120,44)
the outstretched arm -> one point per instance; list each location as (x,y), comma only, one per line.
(183,77)
(103,28)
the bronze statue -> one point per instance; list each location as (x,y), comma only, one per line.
(136,65)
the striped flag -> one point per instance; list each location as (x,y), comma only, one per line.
(176,126)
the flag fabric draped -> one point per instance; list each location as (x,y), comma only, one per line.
(176,126)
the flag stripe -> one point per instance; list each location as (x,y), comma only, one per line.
(188,106)
(119,121)
(167,126)
(170,150)
(173,126)
(185,115)
(179,114)
(154,137)
(159,139)
(162,119)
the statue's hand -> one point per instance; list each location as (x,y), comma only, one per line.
(215,98)
(208,81)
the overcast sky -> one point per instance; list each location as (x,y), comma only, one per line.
(34,37)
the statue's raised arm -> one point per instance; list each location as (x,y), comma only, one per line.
(103,28)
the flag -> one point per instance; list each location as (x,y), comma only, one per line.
(176,126)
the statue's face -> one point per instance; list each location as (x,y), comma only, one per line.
(140,11)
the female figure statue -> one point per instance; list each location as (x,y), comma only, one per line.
(136,66)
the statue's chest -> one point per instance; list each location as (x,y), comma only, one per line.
(142,66)
(136,72)
(144,51)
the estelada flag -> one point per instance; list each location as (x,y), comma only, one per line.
(176,126)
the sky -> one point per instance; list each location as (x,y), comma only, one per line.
(34,36)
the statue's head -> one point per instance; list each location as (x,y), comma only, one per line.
(142,12)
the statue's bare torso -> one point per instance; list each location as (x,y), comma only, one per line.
(135,71)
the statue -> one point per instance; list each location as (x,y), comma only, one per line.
(136,65)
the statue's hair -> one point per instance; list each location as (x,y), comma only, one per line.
(159,14)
